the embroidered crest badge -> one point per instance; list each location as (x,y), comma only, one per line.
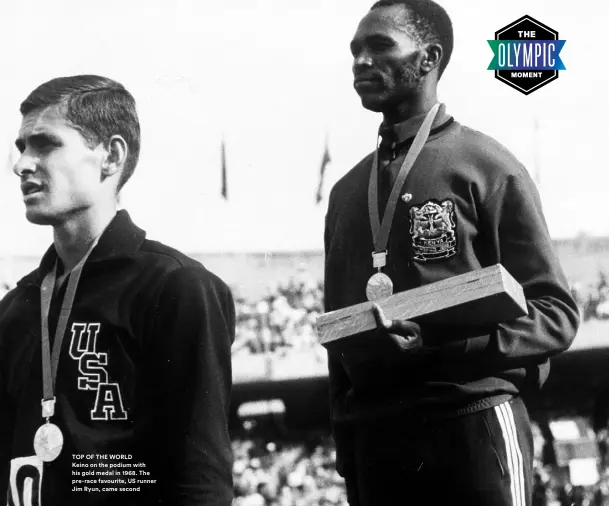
(433,230)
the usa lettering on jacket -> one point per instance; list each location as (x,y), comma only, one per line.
(93,374)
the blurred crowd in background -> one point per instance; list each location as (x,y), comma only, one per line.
(271,471)
(285,317)
(593,299)
(274,473)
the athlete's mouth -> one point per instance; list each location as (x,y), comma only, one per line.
(366,80)
(30,187)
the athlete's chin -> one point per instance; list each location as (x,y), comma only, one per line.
(372,103)
(40,216)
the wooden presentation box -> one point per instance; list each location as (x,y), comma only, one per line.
(481,297)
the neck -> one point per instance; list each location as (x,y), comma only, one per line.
(74,236)
(411,107)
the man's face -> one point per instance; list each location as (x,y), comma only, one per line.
(385,59)
(60,174)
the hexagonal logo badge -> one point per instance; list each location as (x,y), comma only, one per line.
(526,55)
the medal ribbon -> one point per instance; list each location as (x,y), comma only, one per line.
(50,363)
(380,233)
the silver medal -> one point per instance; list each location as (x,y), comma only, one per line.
(48,442)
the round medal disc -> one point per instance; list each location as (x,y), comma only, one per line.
(48,442)
(379,286)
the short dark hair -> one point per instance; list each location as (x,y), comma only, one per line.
(97,107)
(428,23)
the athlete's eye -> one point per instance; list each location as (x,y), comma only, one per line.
(381,45)
(43,142)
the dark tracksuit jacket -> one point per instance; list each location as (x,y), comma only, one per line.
(473,205)
(144,371)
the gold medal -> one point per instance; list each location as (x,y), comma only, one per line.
(379,286)
(48,442)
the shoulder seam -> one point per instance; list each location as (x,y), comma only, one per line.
(492,195)
(147,251)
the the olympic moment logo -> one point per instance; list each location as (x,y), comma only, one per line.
(526,55)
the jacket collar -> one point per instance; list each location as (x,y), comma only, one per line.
(121,238)
(401,132)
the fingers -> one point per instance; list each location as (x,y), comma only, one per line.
(405,328)
(409,327)
(379,316)
(405,334)
(406,343)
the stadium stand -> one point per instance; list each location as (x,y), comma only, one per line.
(284,454)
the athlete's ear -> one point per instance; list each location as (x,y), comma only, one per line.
(432,55)
(115,156)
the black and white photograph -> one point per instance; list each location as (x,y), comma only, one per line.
(306,253)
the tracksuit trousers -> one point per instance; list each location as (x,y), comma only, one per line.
(480,459)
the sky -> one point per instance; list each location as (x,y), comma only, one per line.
(273,79)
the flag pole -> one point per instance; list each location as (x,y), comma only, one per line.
(224,190)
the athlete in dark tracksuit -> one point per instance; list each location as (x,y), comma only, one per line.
(144,371)
(139,377)
(443,423)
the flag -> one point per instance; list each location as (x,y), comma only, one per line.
(324,161)
(224,190)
